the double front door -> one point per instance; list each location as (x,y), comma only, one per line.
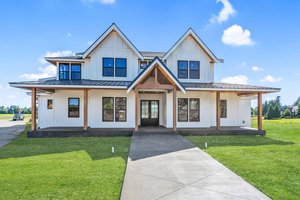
(149,112)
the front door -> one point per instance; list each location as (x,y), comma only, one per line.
(149,112)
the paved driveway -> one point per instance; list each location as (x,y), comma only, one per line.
(9,130)
(165,166)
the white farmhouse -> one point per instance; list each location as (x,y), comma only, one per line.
(114,85)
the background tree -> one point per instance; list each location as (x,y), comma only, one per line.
(286,113)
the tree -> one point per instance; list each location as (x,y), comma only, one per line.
(286,113)
(298,111)
(265,107)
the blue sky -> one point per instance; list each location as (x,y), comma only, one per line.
(259,41)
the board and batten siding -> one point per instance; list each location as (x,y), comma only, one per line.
(190,50)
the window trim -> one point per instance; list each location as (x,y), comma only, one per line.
(194,70)
(72,64)
(69,107)
(49,108)
(113,67)
(59,77)
(198,110)
(187,110)
(113,109)
(120,109)
(225,109)
(187,74)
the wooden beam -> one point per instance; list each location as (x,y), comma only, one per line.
(33,109)
(218,110)
(136,91)
(259,109)
(85,109)
(174,109)
(154,86)
(155,75)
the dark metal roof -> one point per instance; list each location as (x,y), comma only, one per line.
(226,86)
(65,57)
(152,54)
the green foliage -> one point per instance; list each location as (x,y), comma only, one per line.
(14,109)
(274,109)
(298,111)
(286,113)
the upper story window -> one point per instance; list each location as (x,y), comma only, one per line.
(121,65)
(182,69)
(188,69)
(115,67)
(194,70)
(108,66)
(75,71)
(63,71)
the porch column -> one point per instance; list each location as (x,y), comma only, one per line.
(136,93)
(85,109)
(218,110)
(259,109)
(33,109)
(174,109)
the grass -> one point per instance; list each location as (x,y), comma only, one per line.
(63,168)
(271,163)
(10,116)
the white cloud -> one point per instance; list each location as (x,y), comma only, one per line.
(1,87)
(257,69)
(69,35)
(224,14)
(105,2)
(239,79)
(46,72)
(55,54)
(270,79)
(11,96)
(236,36)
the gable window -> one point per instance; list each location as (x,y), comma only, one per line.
(49,104)
(194,110)
(75,71)
(63,71)
(223,105)
(182,69)
(120,109)
(182,109)
(108,66)
(121,67)
(73,107)
(108,109)
(194,70)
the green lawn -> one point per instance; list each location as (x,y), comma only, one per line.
(10,116)
(63,168)
(271,163)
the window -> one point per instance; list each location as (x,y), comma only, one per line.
(143,64)
(108,109)
(194,110)
(194,70)
(49,104)
(182,69)
(182,109)
(75,71)
(108,67)
(223,105)
(63,71)
(73,107)
(120,109)
(121,66)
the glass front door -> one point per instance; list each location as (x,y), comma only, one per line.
(149,112)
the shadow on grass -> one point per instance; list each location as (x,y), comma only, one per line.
(215,141)
(97,147)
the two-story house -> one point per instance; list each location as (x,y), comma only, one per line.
(114,85)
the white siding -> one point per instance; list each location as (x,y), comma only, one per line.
(245,112)
(45,115)
(189,49)
(113,46)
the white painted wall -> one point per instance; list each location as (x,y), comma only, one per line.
(245,112)
(45,115)
(190,50)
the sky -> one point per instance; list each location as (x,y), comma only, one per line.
(258,40)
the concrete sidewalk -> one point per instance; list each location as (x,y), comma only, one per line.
(166,166)
(9,130)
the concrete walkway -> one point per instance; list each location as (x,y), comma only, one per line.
(9,130)
(165,166)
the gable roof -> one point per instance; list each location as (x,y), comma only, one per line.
(113,27)
(150,67)
(191,32)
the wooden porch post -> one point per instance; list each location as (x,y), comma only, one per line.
(218,110)
(33,109)
(136,109)
(174,108)
(259,109)
(85,109)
